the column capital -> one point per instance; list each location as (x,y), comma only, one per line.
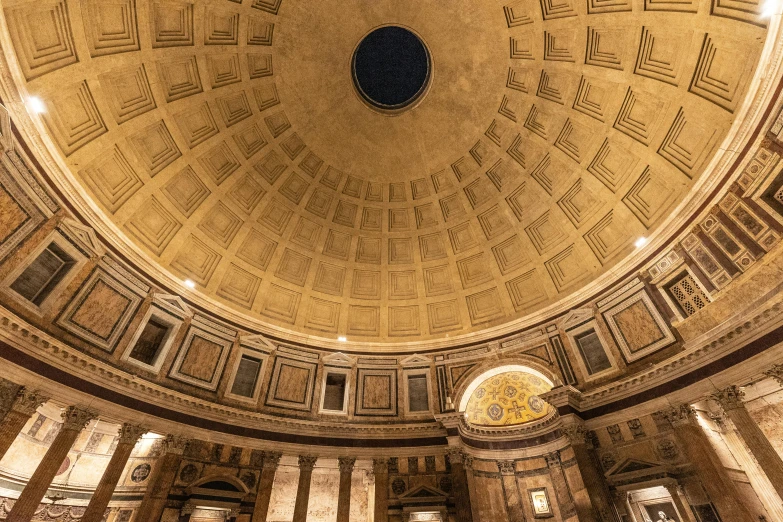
(730,398)
(176,444)
(679,415)
(271,460)
(75,418)
(369,478)
(775,372)
(552,459)
(346,464)
(467,461)
(307,462)
(576,433)
(506,467)
(27,401)
(380,466)
(131,433)
(456,455)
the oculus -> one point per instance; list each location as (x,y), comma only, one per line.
(391,69)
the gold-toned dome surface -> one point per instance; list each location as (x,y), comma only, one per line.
(508,399)
(225,140)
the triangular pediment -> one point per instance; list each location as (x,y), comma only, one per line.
(631,466)
(577,317)
(83,235)
(259,340)
(338,359)
(415,359)
(423,492)
(173,303)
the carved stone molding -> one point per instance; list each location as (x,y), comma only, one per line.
(271,459)
(456,456)
(679,415)
(576,433)
(506,467)
(380,466)
(307,462)
(553,459)
(176,445)
(27,401)
(775,372)
(730,398)
(467,462)
(131,433)
(75,418)
(346,464)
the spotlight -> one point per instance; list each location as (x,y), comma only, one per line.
(189,283)
(36,105)
(640,242)
(770,8)
(342,339)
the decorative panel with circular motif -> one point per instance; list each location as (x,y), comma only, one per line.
(507,399)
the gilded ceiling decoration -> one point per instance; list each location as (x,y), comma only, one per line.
(225,139)
(507,399)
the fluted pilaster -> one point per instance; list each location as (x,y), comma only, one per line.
(306,465)
(269,466)
(344,495)
(380,468)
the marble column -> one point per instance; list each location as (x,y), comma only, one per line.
(597,505)
(680,502)
(562,493)
(514,507)
(129,436)
(344,494)
(467,463)
(268,470)
(460,486)
(731,400)
(20,407)
(380,468)
(306,465)
(700,453)
(74,421)
(162,478)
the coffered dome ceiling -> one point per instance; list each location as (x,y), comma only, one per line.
(224,140)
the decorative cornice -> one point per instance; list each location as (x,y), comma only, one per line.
(679,415)
(506,467)
(775,372)
(307,462)
(176,445)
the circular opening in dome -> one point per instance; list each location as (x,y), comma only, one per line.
(391,68)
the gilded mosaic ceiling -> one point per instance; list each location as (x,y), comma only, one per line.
(225,140)
(507,399)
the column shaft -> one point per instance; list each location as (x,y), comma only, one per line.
(560,485)
(161,480)
(682,505)
(129,436)
(514,507)
(74,420)
(344,495)
(306,465)
(24,405)
(460,486)
(381,471)
(471,479)
(765,454)
(702,456)
(267,480)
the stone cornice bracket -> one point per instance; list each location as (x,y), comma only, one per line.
(730,398)
(506,467)
(27,401)
(563,397)
(131,433)
(775,372)
(75,418)
(553,459)
(177,445)
(380,466)
(679,415)
(307,462)
(271,460)
(346,464)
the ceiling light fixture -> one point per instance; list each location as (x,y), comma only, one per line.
(640,242)
(36,105)
(342,339)
(770,8)
(189,283)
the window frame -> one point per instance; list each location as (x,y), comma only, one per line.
(416,372)
(346,398)
(173,322)
(574,333)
